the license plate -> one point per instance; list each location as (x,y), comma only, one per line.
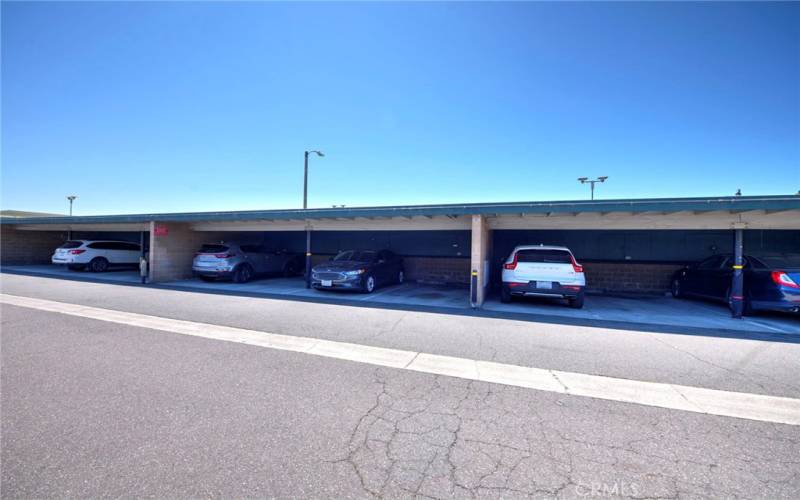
(544,284)
(327,282)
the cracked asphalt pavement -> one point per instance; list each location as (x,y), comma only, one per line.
(95,409)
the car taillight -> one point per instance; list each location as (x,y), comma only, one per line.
(76,252)
(511,265)
(577,267)
(513,284)
(224,255)
(782,279)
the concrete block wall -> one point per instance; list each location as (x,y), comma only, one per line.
(171,254)
(437,270)
(629,277)
(28,247)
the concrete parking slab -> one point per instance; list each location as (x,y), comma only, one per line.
(406,294)
(651,310)
(53,271)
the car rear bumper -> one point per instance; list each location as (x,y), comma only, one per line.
(211,273)
(531,290)
(776,305)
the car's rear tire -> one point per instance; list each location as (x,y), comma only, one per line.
(243,274)
(76,267)
(675,289)
(576,302)
(98,265)
(369,284)
(505,295)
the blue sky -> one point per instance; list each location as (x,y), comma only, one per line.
(156,107)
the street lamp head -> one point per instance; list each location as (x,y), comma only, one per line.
(603,178)
(583,179)
(71,197)
(319,153)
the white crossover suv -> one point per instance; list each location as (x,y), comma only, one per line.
(97,256)
(543,271)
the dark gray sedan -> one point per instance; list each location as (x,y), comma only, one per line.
(361,270)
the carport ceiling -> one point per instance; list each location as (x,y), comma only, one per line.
(717,219)
(119,227)
(412,223)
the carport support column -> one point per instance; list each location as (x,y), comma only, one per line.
(308,253)
(479,261)
(737,285)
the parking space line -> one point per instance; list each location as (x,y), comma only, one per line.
(676,397)
(372,295)
(765,325)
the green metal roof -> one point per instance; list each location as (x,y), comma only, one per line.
(738,203)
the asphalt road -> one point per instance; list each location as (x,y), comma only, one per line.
(92,408)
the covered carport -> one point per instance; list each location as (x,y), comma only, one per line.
(28,247)
(627,246)
(635,246)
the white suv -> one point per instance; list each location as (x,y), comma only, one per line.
(97,256)
(543,271)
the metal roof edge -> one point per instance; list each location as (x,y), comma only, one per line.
(767,202)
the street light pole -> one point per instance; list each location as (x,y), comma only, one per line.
(71,198)
(305,206)
(585,180)
(305,182)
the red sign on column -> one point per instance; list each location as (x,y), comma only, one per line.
(160,230)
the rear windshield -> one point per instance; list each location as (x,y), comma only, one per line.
(71,244)
(355,255)
(777,261)
(544,256)
(213,249)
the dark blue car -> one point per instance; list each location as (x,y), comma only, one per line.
(771,282)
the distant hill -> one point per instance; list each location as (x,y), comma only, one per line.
(22,213)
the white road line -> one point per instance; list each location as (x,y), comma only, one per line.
(677,397)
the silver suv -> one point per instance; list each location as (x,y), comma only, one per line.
(241,263)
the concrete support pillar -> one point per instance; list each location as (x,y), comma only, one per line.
(172,248)
(480,257)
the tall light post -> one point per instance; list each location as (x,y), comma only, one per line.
(305,206)
(584,180)
(71,198)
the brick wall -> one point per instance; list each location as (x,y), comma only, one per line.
(171,254)
(28,247)
(629,277)
(450,270)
